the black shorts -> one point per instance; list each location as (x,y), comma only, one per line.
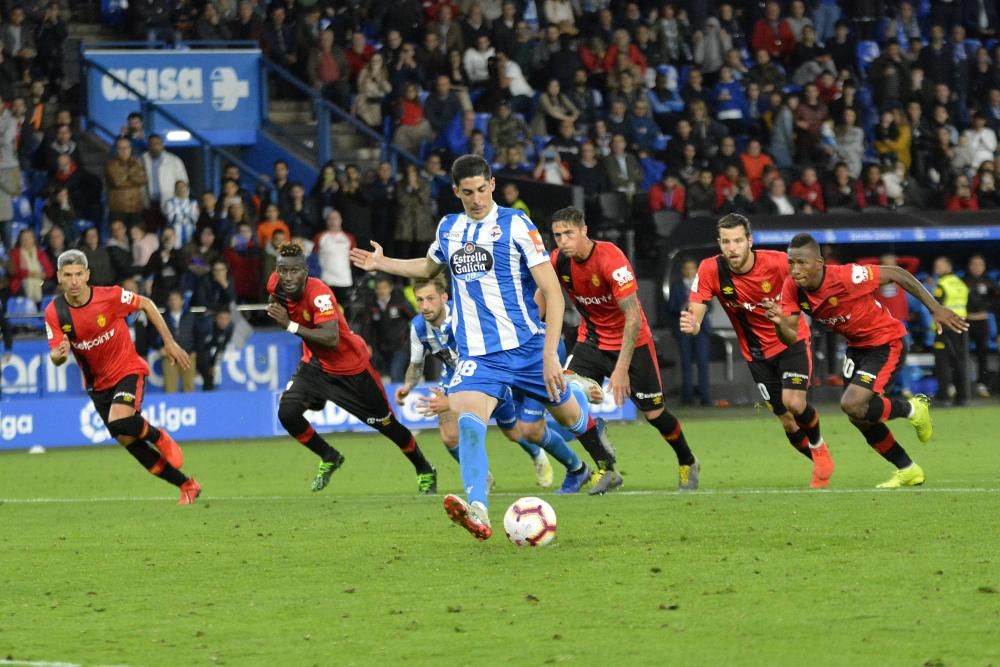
(361,394)
(874,368)
(789,369)
(129,391)
(643,374)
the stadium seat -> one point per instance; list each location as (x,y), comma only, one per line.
(483,122)
(971,46)
(990,44)
(867,51)
(614,212)
(665,222)
(19,308)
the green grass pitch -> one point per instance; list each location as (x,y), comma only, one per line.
(99,567)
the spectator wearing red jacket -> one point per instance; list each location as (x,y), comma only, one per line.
(243,258)
(623,43)
(727,186)
(667,195)
(755,161)
(963,199)
(359,54)
(31,271)
(772,34)
(808,190)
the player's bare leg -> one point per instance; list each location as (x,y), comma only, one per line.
(139,438)
(801,424)
(574,414)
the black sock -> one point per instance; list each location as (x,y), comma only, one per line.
(310,439)
(602,452)
(151,460)
(800,441)
(670,428)
(880,438)
(407,444)
(808,421)
(152,434)
(882,409)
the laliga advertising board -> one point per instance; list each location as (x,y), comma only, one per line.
(220,415)
(214,92)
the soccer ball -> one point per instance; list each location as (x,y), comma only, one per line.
(530,522)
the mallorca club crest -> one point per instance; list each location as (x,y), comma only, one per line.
(101,320)
(766,286)
(595,280)
(832,301)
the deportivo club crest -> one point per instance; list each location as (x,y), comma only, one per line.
(766,286)
(101,320)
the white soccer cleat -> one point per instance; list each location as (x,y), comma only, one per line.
(593,391)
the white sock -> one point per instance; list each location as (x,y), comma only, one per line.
(818,444)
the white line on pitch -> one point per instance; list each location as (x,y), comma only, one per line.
(644,492)
(42,663)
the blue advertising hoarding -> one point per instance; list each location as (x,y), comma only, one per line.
(213,92)
(217,415)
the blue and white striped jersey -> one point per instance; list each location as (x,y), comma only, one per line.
(439,342)
(493,291)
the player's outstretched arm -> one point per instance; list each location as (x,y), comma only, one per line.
(555,308)
(943,316)
(171,350)
(786,326)
(692,317)
(375,260)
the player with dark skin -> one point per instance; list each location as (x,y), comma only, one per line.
(806,267)
(292,275)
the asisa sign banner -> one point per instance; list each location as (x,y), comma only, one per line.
(214,92)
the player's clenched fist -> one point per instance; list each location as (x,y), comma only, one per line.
(689,324)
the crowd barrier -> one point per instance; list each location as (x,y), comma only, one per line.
(217,415)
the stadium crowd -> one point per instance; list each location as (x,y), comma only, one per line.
(699,107)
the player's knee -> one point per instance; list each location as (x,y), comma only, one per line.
(291,415)
(533,431)
(853,407)
(653,415)
(450,440)
(795,402)
(127,427)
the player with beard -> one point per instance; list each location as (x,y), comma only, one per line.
(842,298)
(335,366)
(741,278)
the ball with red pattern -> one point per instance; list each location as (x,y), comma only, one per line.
(530,522)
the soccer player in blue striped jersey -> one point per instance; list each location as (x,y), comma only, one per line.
(496,261)
(521,419)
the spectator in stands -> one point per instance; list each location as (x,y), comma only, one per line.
(771,34)
(442,106)
(126,179)
(19,42)
(58,212)
(644,131)
(55,244)
(328,70)
(962,197)
(358,54)
(165,268)
(414,225)
(753,162)
(808,191)
(893,137)
(871,190)
(667,195)
(62,144)
(984,298)
(979,141)
(553,106)
(551,168)
(840,191)
(711,44)
(694,349)
(505,129)
(333,247)
(412,128)
(584,98)
(448,30)
(511,198)
(689,165)
(672,35)
(134,130)
(300,214)
(766,74)
(381,192)
(102,272)
(325,189)
(354,204)
(247,26)
(210,26)
(270,222)
(10,168)
(211,346)
(200,254)
(700,195)
(848,145)
(373,88)
(25,144)
(50,38)
(476,59)
(776,201)
(566,142)
(601,137)
(809,117)
(937,59)
(277,38)
(889,77)
(508,82)
(214,290)
(588,172)
(163,170)
(726,156)
(180,321)
(31,272)
(617,120)
(389,315)
(144,245)
(181,212)
(986,190)
(622,169)
(269,256)
(120,249)
(474,25)
(242,255)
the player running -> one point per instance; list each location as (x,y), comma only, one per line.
(742,278)
(521,421)
(614,339)
(842,299)
(90,321)
(335,366)
(497,261)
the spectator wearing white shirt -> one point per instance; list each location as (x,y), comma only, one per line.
(163,170)
(979,141)
(477,62)
(512,80)
(181,213)
(333,248)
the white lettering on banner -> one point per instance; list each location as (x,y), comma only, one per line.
(248,373)
(91,425)
(177,85)
(331,415)
(162,416)
(12,426)
(23,374)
